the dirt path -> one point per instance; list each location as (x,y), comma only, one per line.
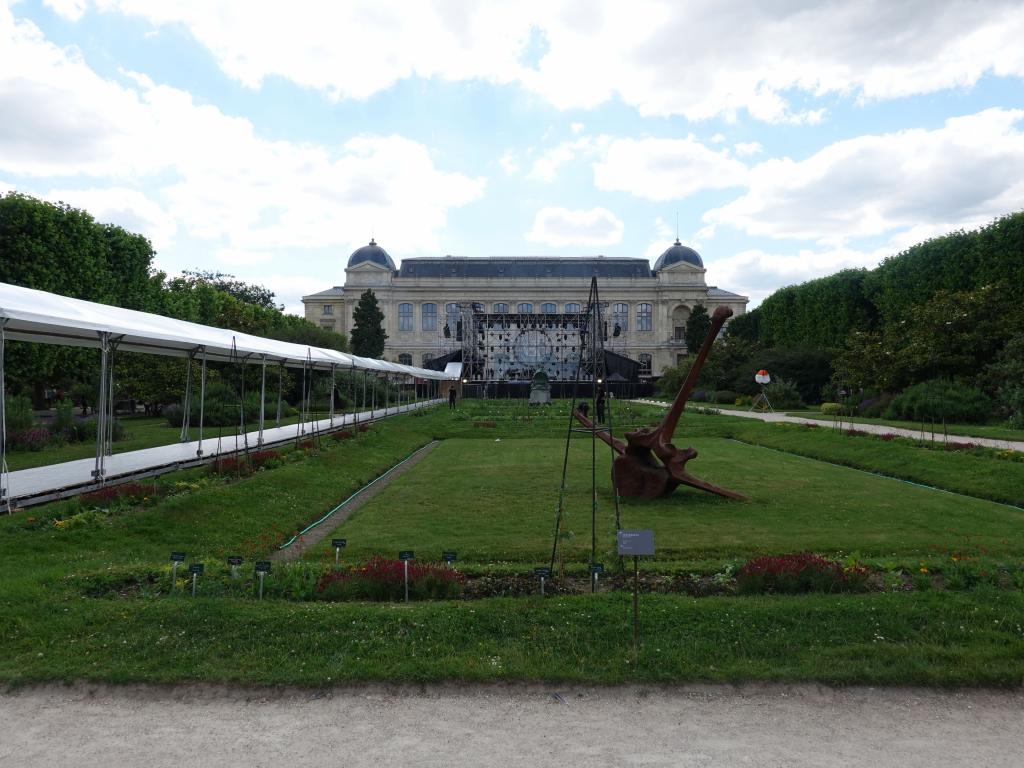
(321,532)
(878,429)
(510,726)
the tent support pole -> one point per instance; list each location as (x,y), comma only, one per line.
(110,397)
(101,403)
(202,401)
(280,375)
(263,398)
(332,395)
(5,502)
(186,416)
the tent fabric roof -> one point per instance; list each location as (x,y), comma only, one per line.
(47,318)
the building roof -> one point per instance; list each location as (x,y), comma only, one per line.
(531,267)
(718,293)
(678,253)
(331,293)
(372,253)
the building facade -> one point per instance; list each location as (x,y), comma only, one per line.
(649,305)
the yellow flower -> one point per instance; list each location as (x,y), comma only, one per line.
(924,570)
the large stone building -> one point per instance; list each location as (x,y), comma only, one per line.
(649,306)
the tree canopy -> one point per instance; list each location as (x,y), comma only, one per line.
(368,334)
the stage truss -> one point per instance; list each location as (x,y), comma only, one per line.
(514,346)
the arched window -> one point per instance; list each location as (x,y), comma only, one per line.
(572,309)
(620,316)
(645,363)
(428,316)
(405,317)
(427,357)
(405,359)
(643,317)
(548,308)
(525,309)
(501,308)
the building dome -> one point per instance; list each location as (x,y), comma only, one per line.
(372,253)
(678,253)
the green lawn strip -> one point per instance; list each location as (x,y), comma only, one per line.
(139,432)
(982,475)
(931,639)
(994,432)
(500,508)
(248,516)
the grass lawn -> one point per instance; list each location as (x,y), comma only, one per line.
(993,431)
(490,492)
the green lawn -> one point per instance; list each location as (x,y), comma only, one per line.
(490,492)
(993,431)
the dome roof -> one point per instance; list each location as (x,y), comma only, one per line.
(678,253)
(372,253)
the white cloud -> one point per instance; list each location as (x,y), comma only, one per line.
(71,10)
(732,59)
(208,176)
(665,169)
(508,162)
(718,138)
(757,273)
(663,238)
(962,174)
(576,128)
(560,227)
(545,168)
(747,148)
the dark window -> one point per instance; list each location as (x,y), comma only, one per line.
(525,309)
(572,309)
(620,316)
(643,317)
(645,363)
(428,314)
(501,308)
(548,308)
(405,359)
(405,317)
(328,309)
(427,357)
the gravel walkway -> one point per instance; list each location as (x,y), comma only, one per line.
(878,429)
(510,726)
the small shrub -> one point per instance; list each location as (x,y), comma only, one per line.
(725,397)
(87,429)
(941,400)
(33,439)
(381,579)
(175,414)
(19,414)
(744,401)
(799,572)
(783,394)
(831,409)
(64,422)
(699,396)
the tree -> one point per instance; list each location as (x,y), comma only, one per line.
(697,326)
(244,292)
(368,335)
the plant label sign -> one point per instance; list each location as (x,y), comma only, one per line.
(177,557)
(263,566)
(406,554)
(448,556)
(544,573)
(234,561)
(196,568)
(636,542)
(597,568)
(339,543)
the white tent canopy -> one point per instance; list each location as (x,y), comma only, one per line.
(41,317)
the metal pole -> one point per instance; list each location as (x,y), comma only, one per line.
(202,402)
(280,374)
(333,366)
(185,420)
(636,606)
(101,404)
(5,504)
(263,398)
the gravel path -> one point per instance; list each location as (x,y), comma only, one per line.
(321,532)
(878,429)
(686,726)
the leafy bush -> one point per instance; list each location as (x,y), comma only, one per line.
(220,408)
(19,414)
(64,422)
(725,396)
(87,429)
(33,439)
(941,400)
(382,579)
(699,396)
(783,394)
(799,572)
(831,409)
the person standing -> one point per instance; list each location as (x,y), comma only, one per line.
(451,398)
(599,405)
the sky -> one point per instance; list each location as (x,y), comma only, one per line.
(783,140)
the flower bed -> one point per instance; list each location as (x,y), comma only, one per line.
(799,572)
(383,579)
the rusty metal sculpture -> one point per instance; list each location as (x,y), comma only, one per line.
(636,467)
